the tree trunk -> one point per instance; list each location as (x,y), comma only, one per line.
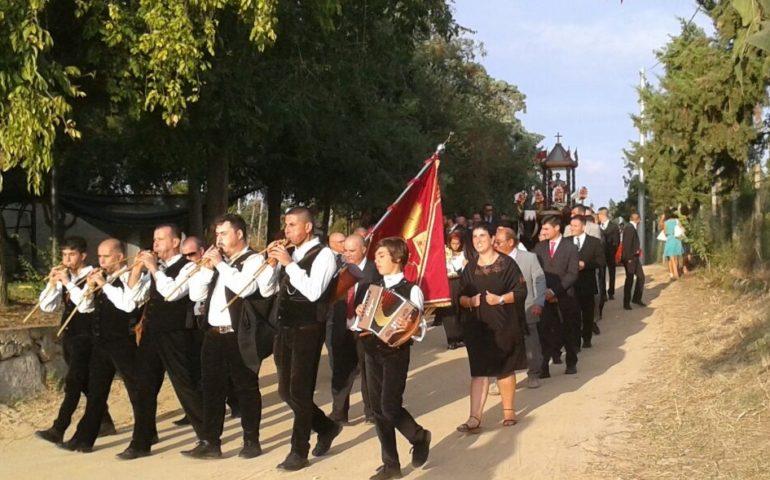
(3,265)
(217,182)
(274,198)
(195,199)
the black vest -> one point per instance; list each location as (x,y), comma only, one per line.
(292,308)
(261,304)
(403,288)
(81,323)
(163,316)
(112,323)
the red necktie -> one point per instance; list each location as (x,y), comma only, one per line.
(553,248)
(351,303)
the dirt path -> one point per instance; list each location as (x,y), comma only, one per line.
(561,424)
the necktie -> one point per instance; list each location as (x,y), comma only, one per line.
(577,243)
(553,248)
(351,303)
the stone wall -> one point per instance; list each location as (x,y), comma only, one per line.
(29,357)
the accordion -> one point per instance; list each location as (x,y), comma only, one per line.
(389,316)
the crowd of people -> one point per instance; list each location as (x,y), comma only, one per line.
(207,317)
(522,294)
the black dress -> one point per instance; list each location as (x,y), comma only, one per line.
(494,334)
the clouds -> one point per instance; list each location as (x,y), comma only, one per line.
(578,62)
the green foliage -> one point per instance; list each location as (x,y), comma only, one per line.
(700,121)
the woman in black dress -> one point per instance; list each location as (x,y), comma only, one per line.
(493,289)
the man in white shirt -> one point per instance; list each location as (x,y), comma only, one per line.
(66,287)
(302,281)
(167,324)
(223,285)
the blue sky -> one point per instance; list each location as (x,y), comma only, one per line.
(578,62)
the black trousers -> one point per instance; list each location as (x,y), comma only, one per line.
(222,366)
(560,326)
(297,353)
(176,353)
(587,304)
(110,356)
(344,364)
(386,369)
(77,356)
(633,271)
(609,273)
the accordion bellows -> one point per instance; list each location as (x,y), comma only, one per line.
(389,316)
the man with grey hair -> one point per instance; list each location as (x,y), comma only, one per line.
(506,241)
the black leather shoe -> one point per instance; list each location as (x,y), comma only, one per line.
(155,439)
(545,373)
(626,307)
(610,297)
(182,421)
(595,329)
(204,449)
(251,449)
(557,360)
(324,442)
(586,343)
(107,429)
(420,450)
(132,453)
(51,435)
(386,472)
(235,412)
(640,303)
(75,445)
(572,370)
(293,463)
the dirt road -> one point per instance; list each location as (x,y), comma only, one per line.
(562,424)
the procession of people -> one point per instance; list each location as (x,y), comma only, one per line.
(209,317)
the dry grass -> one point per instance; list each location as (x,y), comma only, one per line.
(703,410)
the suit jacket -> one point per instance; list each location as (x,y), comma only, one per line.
(611,236)
(592,255)
(535,277)
(371,275)
(630,251)
(592,230)
(561,271)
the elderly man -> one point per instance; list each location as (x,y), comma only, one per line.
(506,242)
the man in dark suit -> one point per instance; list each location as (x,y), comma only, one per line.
(630,258)
(611,236)
(590,258)
(488,215)
(559,321)
(347,350)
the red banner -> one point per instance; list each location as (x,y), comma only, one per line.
(417,217)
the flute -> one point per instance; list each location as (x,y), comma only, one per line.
(78,283)
(261,268)
(92,291)
(199,264)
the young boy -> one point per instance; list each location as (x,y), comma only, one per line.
(387,367)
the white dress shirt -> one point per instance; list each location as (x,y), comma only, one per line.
(234,280)
(312,285)
(556,243)
(163,283)
(51,297)
(580,240)
(122,297)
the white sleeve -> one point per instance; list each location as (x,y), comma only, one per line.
(51,297)
(180,286)
(268,281)
(321,272)
(241,281)
(141,291)
(417,298)
(121,297)
(199,284)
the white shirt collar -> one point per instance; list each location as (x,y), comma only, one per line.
(392,279)
(171,261)
(299,252)
(581,238)
(83,272)
(362,264)
(556,242)
(237,255)
(513,253)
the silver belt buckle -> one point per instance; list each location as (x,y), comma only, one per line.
(224,329)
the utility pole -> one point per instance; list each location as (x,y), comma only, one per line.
(640,198)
